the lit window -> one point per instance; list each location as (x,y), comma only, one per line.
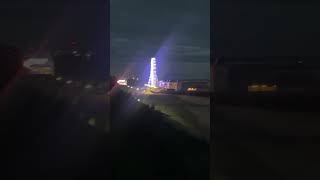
(262,88)
(88,86)
(192,89)
(69,82)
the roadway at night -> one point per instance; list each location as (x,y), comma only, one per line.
(191,113)
(153,140)
(145,143)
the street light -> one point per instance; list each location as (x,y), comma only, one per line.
(88,86)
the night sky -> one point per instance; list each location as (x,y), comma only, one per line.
(177,33)
(45,26)
(265,28)
(55,24)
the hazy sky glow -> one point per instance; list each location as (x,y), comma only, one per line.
(176,32)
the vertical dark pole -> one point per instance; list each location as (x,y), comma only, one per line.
(101,70)
(108,123)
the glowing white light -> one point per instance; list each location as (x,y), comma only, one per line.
(92,121)
(69,82)
(137,89)
(122,82)
(153,78)
(59,78)
(192,89)
(88,86)
(139,100)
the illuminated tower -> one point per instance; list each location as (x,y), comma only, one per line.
(153,78)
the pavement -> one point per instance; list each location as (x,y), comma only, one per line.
(191,113)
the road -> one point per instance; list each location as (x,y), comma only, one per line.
(189,112)
(259,143)
(249,143)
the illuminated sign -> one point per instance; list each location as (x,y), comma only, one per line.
(122,82)
(192,89)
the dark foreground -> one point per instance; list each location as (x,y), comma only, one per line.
(151,148)
(265,143)
(48,137)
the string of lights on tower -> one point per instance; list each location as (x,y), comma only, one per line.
(153,78)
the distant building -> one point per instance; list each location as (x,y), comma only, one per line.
(266,75)
(169,85)
(194,86)
(185,85)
